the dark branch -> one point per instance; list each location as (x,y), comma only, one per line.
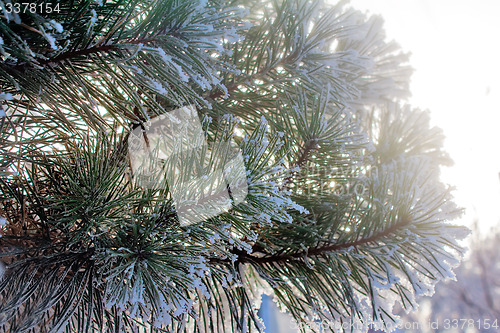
(304,155)
(244,257)
(80,53)
(86,52)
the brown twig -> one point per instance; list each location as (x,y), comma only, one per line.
(87,52)
(244,257)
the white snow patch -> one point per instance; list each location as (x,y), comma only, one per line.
(6,97)
(165,57)
(59,28)
(158,87)
(51,40)
(183,76)
(93,19)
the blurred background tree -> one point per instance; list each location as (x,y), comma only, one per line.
(345,213)
(471,302)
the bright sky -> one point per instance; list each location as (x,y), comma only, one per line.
(455,47)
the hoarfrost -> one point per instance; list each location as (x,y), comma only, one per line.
(51,40)
(93,19)
(59,28)
(6,97)
(158,87)
(165,57)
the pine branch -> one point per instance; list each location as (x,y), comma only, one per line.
(255,76)
(79,53)
(303,157)
(88,51)
(244,257)
(86,223)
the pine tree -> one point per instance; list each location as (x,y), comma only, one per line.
(343,212)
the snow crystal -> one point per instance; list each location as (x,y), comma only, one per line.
(232,36)
(135,69)
(93,19)
(6,97)
(3,221)
(206,27)
(201,5)
(57,26)
(207,119)
(166,58)
(183,76)
(51,40)
(158,87)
